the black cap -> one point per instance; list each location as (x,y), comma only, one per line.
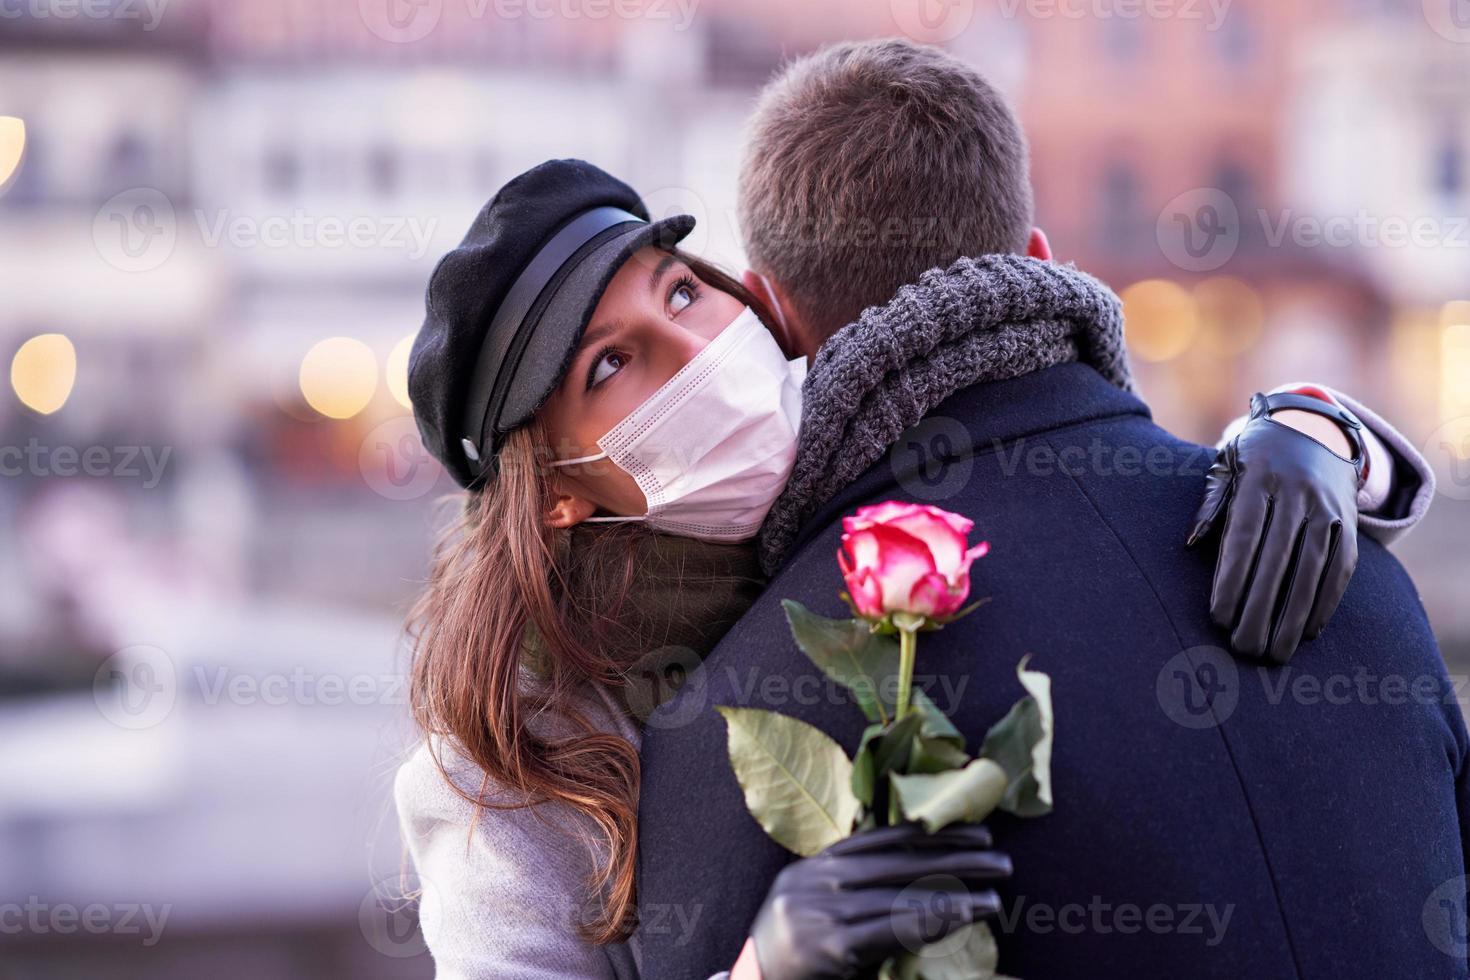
(507,308)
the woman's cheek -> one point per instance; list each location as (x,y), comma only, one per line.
(625,497)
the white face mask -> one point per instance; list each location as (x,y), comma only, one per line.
(712,449)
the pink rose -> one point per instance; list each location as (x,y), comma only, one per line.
(912,558)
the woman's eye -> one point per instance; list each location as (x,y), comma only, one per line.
(608,365)
(680,298)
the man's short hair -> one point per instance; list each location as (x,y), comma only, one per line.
(868,163)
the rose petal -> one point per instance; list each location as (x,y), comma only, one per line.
(866,593)
(944,542)
(943,531)
(959,523)
(932,596)
(979,551)
(866,517)
(959,589)
(888,510)
(896,558)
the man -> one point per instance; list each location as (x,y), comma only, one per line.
(1212,818)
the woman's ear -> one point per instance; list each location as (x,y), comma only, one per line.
(569,510)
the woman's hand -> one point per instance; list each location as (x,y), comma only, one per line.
(1290,539)
(876,894)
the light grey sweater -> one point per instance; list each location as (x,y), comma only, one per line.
(503,891)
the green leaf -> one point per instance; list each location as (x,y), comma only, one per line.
(884,749)
(936,722)
(1020,743)
(1009,741)
(863,770)
(1039,686)
(940,746)
(891,750)
(797,780)
(975,955)
(848,652)
(936,755)
(905,967)
(963,612)
(940,799)
(968,953)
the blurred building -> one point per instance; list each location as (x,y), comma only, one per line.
(1279,194)
(230,215)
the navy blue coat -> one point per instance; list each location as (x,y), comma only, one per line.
(1212,818)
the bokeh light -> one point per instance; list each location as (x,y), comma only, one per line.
(1454,361)
(12,146)
(1231,316)
(1162,319)
(1455,313)
(339,376)
(396,371)
(302,166)
(44,371)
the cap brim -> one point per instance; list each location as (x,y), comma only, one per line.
(563,318)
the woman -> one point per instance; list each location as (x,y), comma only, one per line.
(623,421)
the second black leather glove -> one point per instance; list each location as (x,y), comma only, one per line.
(877,894)
(1290,539)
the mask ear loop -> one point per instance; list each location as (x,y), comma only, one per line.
(554,464)
(557,463)
(776,307)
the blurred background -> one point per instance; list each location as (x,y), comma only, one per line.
(216,223)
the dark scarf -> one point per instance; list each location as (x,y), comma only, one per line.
(683,597)
(983,319)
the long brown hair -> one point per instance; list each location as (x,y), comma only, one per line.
(501,603)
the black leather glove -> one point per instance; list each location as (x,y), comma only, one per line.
(840,914)
(1290,540)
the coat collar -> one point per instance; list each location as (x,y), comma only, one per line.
(976,420)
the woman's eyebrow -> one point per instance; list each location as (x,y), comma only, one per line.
(595,335)
(658,270)
(599,333)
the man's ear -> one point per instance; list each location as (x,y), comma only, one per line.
(1038,247)
(770,294)
(569,510)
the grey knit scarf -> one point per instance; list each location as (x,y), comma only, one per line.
(983,319)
